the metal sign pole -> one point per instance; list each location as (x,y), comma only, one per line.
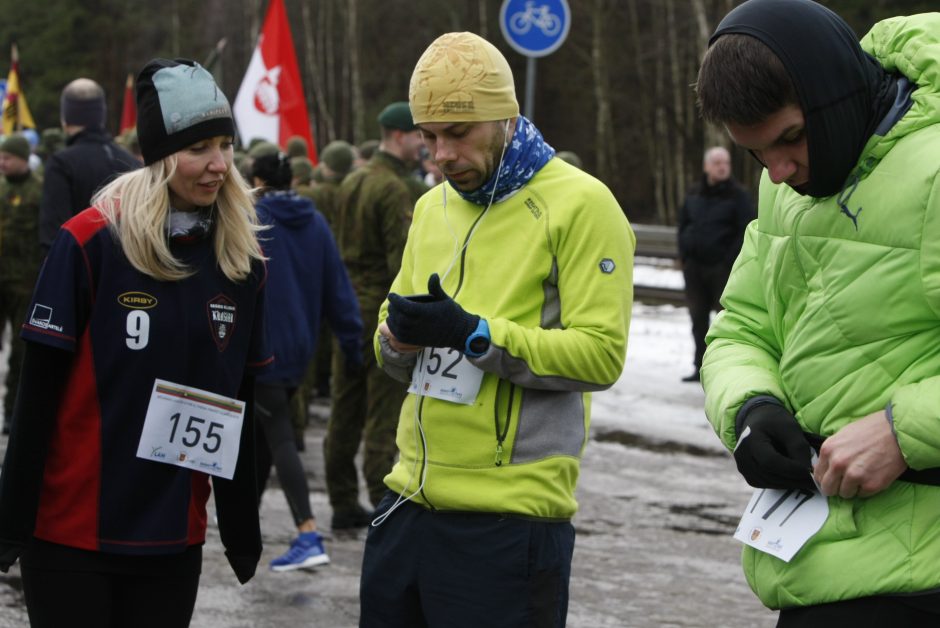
(529,87)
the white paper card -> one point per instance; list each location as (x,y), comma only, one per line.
(192,428)
(780,522)
(445,374)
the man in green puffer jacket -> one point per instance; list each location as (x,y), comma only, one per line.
(831,326)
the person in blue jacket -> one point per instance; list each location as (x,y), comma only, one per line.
(306,278)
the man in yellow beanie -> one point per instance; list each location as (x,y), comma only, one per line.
(527,263)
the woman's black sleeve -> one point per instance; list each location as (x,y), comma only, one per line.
(42,382)
(236,500)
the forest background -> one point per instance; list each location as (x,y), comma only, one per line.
(618,92)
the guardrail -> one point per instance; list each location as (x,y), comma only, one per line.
(657,241)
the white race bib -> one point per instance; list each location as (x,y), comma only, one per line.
(192,428)
(445,374)
(780,522)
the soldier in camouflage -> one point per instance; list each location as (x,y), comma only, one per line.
(20,193)
(336,160)
(376,203)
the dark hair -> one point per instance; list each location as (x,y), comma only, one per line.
(273,169)
(742,81)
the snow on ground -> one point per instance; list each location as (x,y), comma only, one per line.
(650,399)
(657,272)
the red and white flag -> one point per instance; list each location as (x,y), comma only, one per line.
(270,103)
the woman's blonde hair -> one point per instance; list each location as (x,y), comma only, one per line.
(136,206)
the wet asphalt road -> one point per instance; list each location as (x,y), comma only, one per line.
(653,549)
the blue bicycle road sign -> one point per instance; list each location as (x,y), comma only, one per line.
(535,28)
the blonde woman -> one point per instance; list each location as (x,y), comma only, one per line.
(142,337)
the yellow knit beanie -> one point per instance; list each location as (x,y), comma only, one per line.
(461,77)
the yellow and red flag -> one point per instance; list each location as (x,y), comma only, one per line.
(16,115)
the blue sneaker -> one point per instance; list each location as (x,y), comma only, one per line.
(305,551)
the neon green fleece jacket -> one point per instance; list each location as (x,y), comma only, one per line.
(551,270)
(839,323)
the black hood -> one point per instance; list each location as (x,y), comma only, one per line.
(843,91)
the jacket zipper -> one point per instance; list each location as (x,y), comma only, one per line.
(501,435)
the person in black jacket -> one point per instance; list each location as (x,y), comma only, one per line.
(711,229)
(89,160)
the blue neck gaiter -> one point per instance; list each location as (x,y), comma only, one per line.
(526,154)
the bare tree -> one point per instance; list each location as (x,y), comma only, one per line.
(711,134)
(481,10)
(605,146)
(175,28)
(355,81)
(323,118)
(252,24)
(676,175)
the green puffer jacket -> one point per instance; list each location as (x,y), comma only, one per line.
(551,269)
(838,323)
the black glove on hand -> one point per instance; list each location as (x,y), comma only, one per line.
(8,555)
(772,451)
(243,566)
(440,322)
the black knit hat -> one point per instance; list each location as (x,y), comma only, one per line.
(178,104)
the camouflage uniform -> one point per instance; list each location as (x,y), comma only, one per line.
(376,203)
(326,196)
(19,265)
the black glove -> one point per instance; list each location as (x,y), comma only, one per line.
(8,555)
(243,566)
(437,322)
(236,500)
(772,451)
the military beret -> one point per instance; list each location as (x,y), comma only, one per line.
(296,146)
(338,156)
(262,148)
(17,145)
(301,169)
(367,148)
(397,116)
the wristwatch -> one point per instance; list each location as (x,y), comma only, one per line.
(478,342)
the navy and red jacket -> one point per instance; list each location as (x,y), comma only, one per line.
(123,330)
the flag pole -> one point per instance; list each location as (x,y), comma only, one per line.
(14,67)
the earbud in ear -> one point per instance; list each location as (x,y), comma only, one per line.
(506,135)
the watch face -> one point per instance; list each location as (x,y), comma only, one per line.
(479,344)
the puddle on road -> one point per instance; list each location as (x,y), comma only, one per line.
(639,441)
(301,600)
(699,518)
